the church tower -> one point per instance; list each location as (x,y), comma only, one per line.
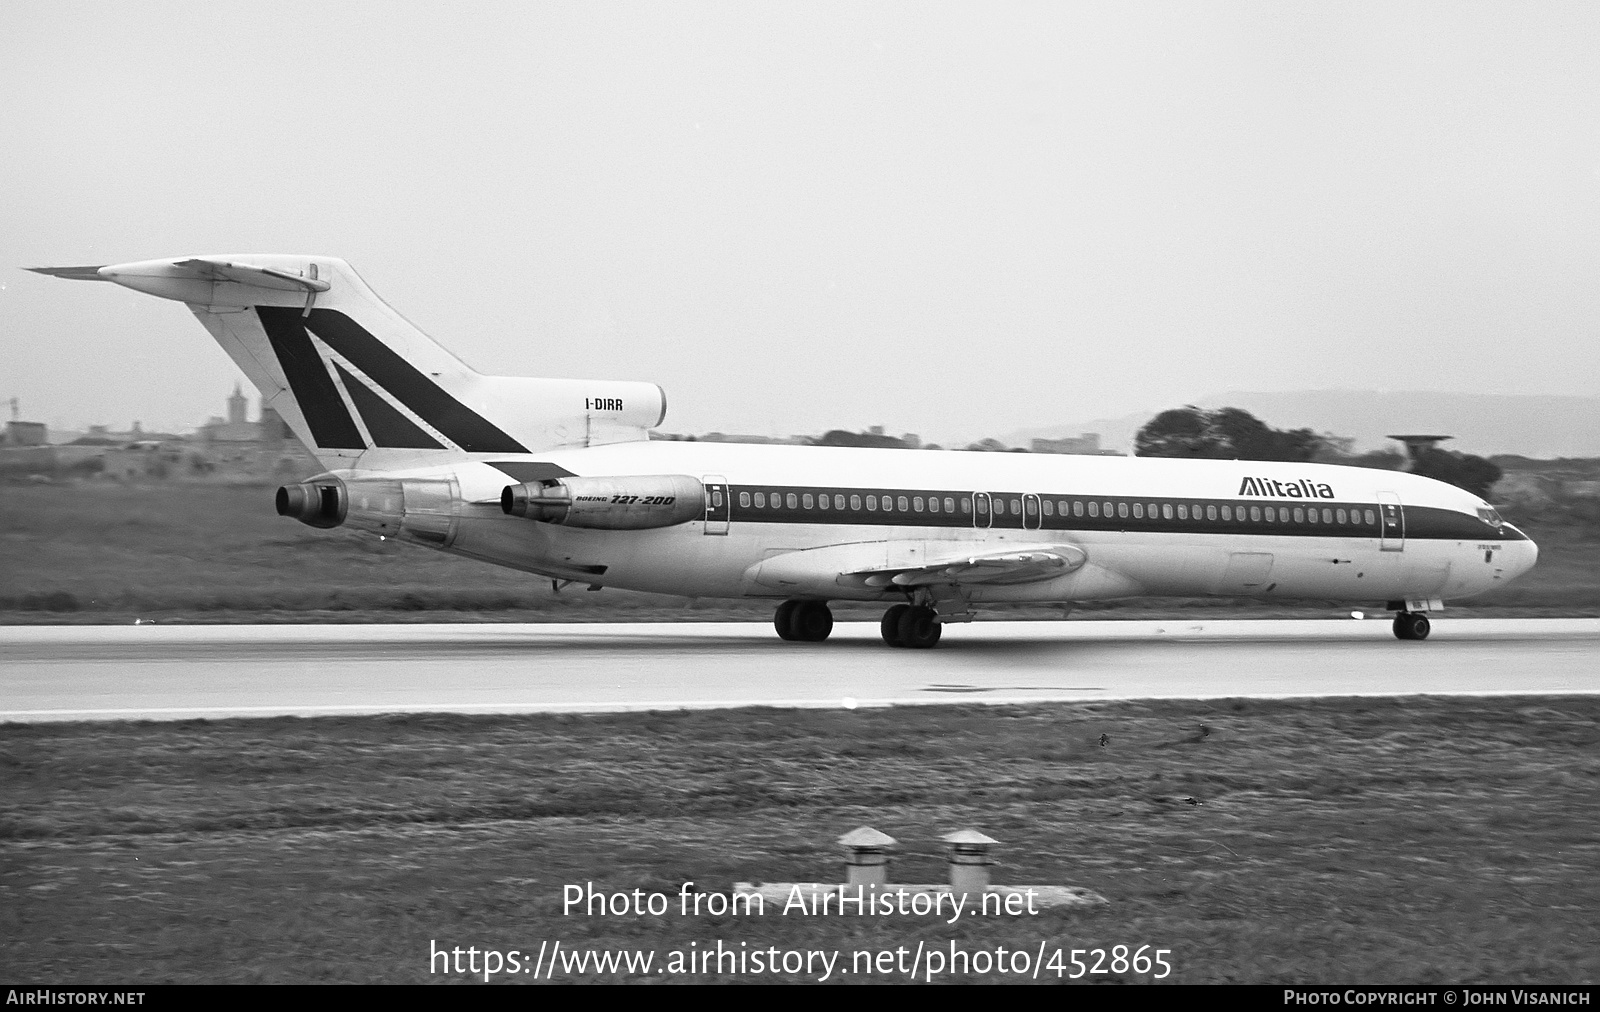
(237,406)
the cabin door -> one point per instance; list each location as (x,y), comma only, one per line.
(1391,523)
(719,507)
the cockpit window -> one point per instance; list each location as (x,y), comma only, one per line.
(1489,516)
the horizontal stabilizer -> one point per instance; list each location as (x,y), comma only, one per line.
(91,273)
(244,274)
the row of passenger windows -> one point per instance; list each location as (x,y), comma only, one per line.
(1031,505)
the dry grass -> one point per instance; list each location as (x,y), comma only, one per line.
(1364,840)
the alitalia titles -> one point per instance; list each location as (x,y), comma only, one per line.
(1301,489)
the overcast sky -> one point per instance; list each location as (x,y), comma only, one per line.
(951,219)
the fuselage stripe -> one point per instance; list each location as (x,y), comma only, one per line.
(1156,514)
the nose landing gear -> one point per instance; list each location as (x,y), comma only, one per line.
(1411,625)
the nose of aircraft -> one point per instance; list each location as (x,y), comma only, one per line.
(1519,556)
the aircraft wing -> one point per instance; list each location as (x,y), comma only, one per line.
(883,564)
(1005,567)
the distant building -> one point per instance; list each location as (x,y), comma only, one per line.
(25,434)
(236,429)
(1089,442)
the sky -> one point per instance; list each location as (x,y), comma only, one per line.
(955,219)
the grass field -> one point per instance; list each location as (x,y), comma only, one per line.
(1334,841)
(101,552)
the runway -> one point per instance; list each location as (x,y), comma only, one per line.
(54,673)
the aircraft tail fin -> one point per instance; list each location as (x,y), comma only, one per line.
(359,384)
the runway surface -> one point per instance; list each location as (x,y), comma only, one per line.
(177,672)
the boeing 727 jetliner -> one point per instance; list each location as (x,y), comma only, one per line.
(559,478)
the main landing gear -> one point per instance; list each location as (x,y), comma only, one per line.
(908,625)
(904,625)
(803,621)
(1411,625)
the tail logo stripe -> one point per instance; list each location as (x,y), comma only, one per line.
(452,419)
(388,427)
(318,399)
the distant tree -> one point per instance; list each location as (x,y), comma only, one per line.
(989,445)
(841,437)
(1463,470)
(1180,432)
(1227,433)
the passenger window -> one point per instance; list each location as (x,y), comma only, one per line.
(966,505)
(999,507)
(838,502)
(716,498)
(1340,515)
(1152,509)
(792,501)
(1183,512)
(806,500)
(1032,507)
(1327,516)
(983,505)
(872,502)
(1049,508)
(1311,516)
(1016,507)
(1122,509)
(744,498)
(1211,512)
(916,503)
(1138,510)
(1255,513)
(1227,512)
(1370,517)
(1094,509)
(855,503)
(1106,508)
(1077,508)
(949,505)
(1299,515)
(761,500)
(902,504)
(1166,511)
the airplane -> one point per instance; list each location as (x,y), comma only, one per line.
(560,478)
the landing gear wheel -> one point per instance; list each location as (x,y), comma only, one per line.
(783,621)
(1411,625)
(919,628)
(890,627)
(811,621)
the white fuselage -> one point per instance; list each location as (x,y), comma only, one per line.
(1158,526)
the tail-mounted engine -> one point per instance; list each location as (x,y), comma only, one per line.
(627,503)
(421,509)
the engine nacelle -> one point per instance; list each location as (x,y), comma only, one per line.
(319,504)
(625,503)
(421,509)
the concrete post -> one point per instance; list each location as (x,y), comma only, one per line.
(969,860)
(866,859)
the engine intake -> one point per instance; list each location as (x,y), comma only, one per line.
(626,503)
